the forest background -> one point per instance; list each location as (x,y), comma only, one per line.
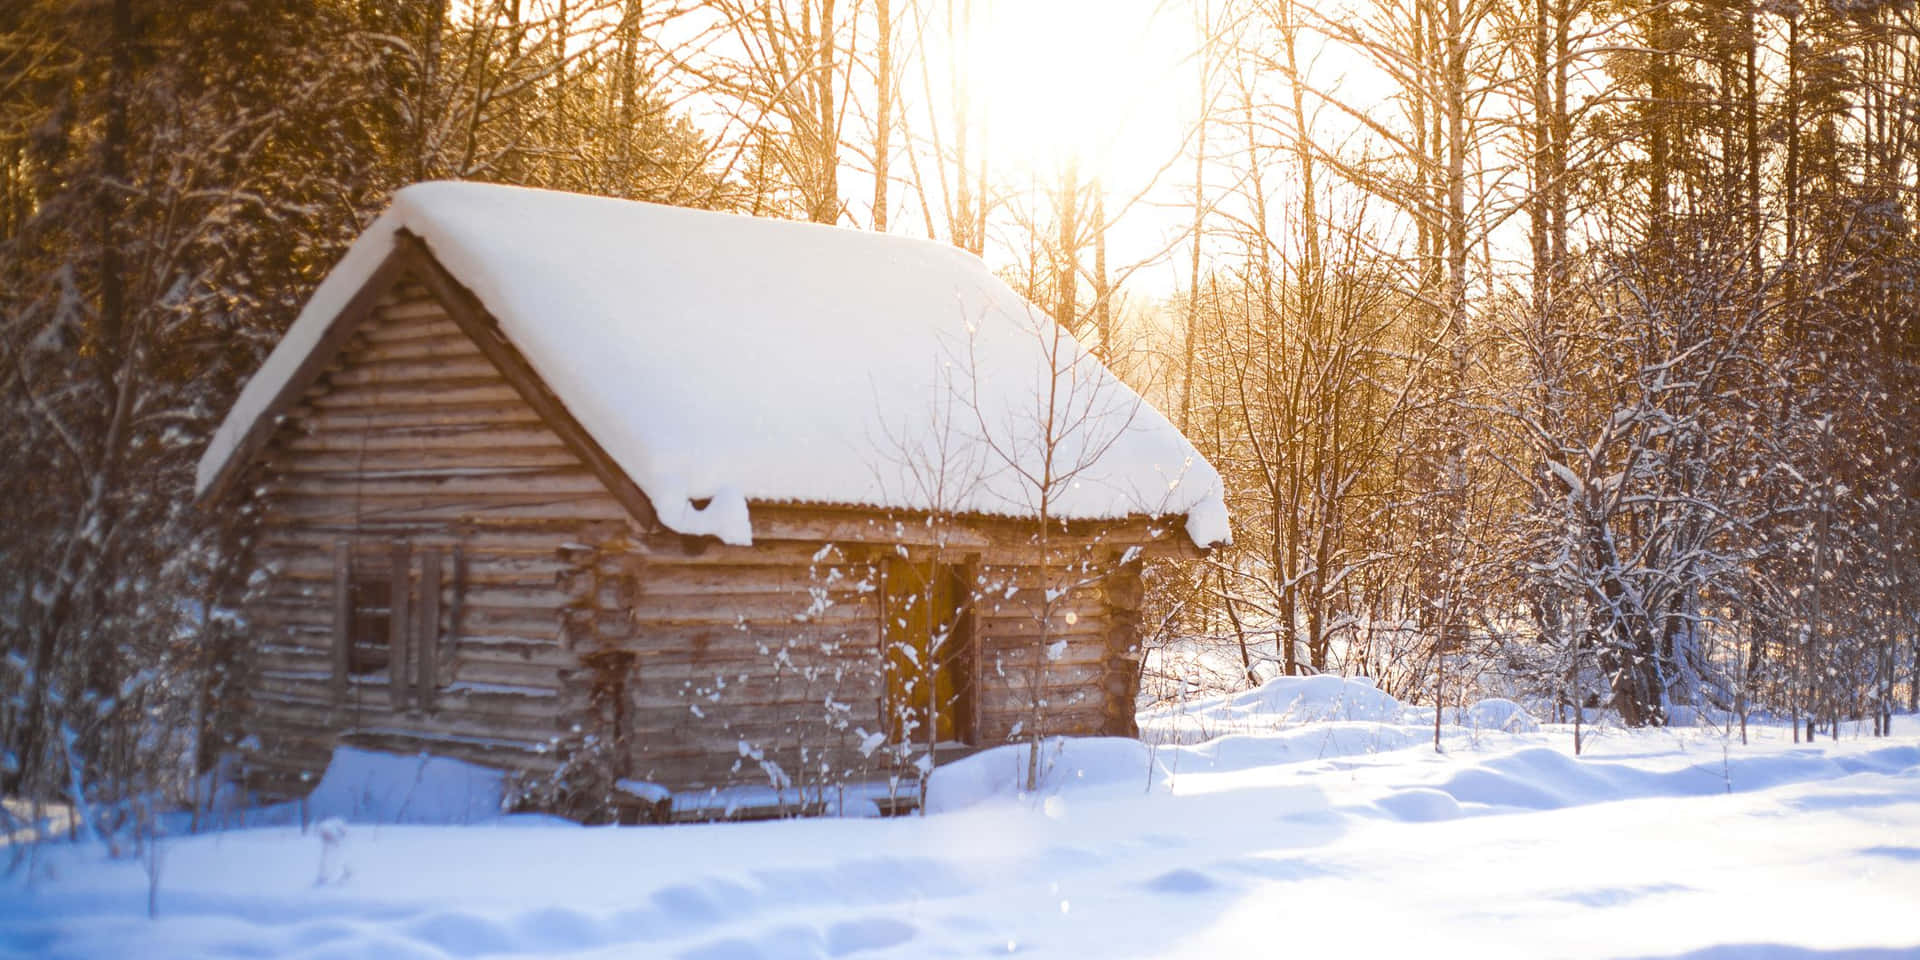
(1558,349)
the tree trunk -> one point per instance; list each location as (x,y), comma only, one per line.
(883,115)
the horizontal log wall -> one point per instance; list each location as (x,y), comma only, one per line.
(743,659)
(1045,634)
(413,435)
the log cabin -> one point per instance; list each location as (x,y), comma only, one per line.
(703,509)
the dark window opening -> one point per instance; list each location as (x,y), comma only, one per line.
(371,635)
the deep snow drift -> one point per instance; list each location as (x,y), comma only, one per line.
(1306,817)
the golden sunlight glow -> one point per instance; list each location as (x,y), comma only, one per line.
(1105,85)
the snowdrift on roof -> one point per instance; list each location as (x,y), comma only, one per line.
(723,360)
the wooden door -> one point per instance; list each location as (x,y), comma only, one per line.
(927,652)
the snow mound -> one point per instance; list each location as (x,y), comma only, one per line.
(1183,880)
(1420,805)
(1321,741)
(1502,715)
(1280,702)
(367,786)
(1066,763)
(1496,715)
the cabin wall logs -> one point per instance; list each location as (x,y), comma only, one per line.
(556,617)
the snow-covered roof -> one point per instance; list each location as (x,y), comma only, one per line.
(725,360)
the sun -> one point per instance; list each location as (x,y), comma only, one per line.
(1107,87)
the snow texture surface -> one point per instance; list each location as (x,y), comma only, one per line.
(367,786)
(1279,703)
(1282,839)
(723,360)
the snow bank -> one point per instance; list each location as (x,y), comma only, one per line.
(1420,805)
(1495,714)
(722,360)
(1314,741)
(1776,848)
(1502,715)
(1287,720)
(366,786)
(1066,763)
(1280,702)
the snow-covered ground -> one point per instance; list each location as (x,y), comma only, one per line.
(1307,818)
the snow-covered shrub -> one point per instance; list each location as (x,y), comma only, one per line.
(581,788)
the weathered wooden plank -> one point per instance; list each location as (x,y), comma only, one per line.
(436,337)
(409,302)
(455,718)
(1004,675)
(390,397)
(527,625)
(726,692)
(671,549)
(770,609)
(1023,657)
(565,482)
(1067,619)
(508,541)
(459,440)
(851,659)
(669,642)
(1026,584)
(437,513)
(342,614)
(507,605)
(506,673)
(413,319)
(281,656)
(473,647)
(432,372)
(427,631)
(482,568)
(399,421)
(769,726)
(478,455)
(400,625)
(669,579)
(504,535)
